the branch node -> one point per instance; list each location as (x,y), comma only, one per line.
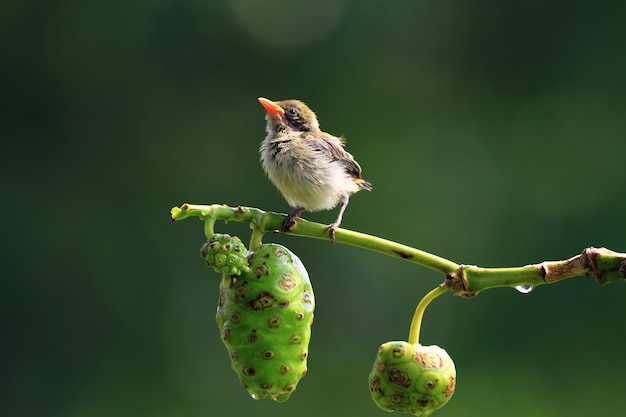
(589,257)
(459,284)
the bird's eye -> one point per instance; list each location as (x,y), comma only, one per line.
(292,112)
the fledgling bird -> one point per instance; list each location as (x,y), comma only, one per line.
(311,168)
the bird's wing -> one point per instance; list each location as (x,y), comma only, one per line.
(333,147)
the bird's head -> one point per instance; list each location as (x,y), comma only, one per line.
(291,115)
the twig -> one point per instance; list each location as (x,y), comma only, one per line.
(602,264)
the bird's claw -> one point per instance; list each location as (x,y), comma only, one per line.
(290,221)
(289,224)
(331,231)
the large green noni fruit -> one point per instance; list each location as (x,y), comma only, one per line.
(265,316)
(412,379)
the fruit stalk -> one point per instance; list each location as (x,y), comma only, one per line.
(416,323)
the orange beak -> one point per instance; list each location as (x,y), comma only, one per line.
(271,107)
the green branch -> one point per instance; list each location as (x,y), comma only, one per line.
(601,264)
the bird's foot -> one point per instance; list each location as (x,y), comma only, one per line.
(331,231)
(290,221)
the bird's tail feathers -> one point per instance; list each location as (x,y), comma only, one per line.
(366,185)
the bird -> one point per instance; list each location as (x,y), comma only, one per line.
(310,168)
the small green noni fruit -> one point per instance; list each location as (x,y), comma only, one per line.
(265,316)
(225,254)
(412,379)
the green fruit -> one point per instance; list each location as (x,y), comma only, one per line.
(225,254)
(265,318)
(412,379)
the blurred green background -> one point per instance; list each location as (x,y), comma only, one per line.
(493,133)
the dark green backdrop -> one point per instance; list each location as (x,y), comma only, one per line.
(494,134)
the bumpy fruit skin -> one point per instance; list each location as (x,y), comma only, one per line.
(225,254)
(412,379)
(265,318)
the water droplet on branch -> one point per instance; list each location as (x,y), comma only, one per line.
(524,289)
